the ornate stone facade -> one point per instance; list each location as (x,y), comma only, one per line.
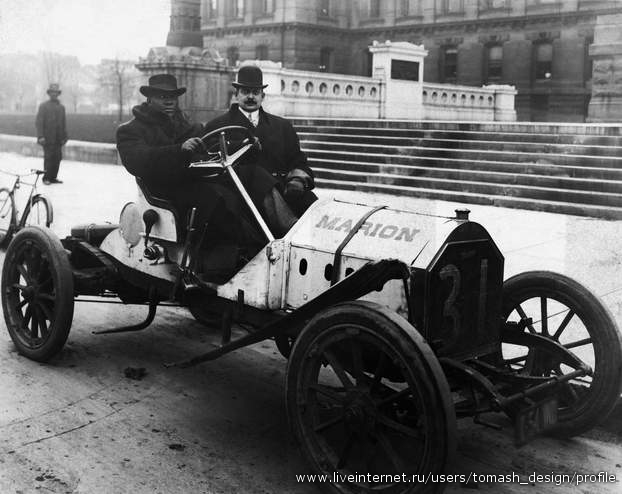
(539,46)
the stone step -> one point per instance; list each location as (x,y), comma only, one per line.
(488,176)
(469,135)
(606,212)
(474,187)
(601,129)
(478,154)
(447,143)
(541,168)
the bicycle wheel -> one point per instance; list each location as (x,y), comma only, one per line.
(7,216)
(38,212)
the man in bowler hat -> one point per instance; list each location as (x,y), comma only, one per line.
(279,153)
(51,134)
(158,144)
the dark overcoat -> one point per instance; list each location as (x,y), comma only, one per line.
(150,148)
(280,155)
(280,148)
(51,123)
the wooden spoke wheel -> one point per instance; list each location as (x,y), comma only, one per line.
(37,293)
(566,312)
(366,395)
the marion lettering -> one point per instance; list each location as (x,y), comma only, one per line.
(370,229)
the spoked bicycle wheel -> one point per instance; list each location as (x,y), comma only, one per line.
(38,212)
(7,216)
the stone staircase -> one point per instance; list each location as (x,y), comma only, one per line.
(563,168)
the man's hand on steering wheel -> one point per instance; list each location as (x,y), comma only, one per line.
(194,145)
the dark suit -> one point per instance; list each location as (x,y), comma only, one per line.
(280,154)
(51,125)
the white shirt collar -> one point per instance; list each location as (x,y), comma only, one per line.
(253,117)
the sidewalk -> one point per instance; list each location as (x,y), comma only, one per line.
(586,249)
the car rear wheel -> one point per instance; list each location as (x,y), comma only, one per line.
(566,312)
(37,293)
(366,395)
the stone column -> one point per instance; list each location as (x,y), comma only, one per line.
(202,72)
(400,66)
(606,53)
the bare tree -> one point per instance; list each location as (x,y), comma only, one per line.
(119,78)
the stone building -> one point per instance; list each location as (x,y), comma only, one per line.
(540,46)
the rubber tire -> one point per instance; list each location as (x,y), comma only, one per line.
(6,235)
(48,211)
(422,362)
(62,278)
(607,379)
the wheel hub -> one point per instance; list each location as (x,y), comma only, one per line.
(29,293)
(360,413)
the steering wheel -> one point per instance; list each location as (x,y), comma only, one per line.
(224,146)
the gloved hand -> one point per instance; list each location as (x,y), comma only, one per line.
(41,141)
(295,187)
(194,145)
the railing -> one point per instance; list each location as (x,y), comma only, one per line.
(318,94)
(486,103)
(299,93)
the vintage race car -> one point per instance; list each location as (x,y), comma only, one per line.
(395,324)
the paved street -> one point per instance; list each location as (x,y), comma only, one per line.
(79,425)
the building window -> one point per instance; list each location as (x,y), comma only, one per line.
(324,8)
(267,6)
(544,61)
(410,7)
(494,63)
(449,65)
(261,52)
(233,54)
(589,63)
(326,60)
(493,4)
(452,6)
(211,9)
(368,63)
(374,9)
(237,9)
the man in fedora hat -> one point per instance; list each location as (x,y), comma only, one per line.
(279,153)
(158,144)
(51,133)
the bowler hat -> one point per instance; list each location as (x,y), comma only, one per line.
(162,83)
(54,88)
(249,76)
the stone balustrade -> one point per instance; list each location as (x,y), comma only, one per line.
(482,104)
(319,94)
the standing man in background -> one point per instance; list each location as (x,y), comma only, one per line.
(51,134)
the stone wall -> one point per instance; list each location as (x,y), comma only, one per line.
(606,52)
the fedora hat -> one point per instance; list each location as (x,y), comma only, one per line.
(54,88)
(162,83)
(249,76)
